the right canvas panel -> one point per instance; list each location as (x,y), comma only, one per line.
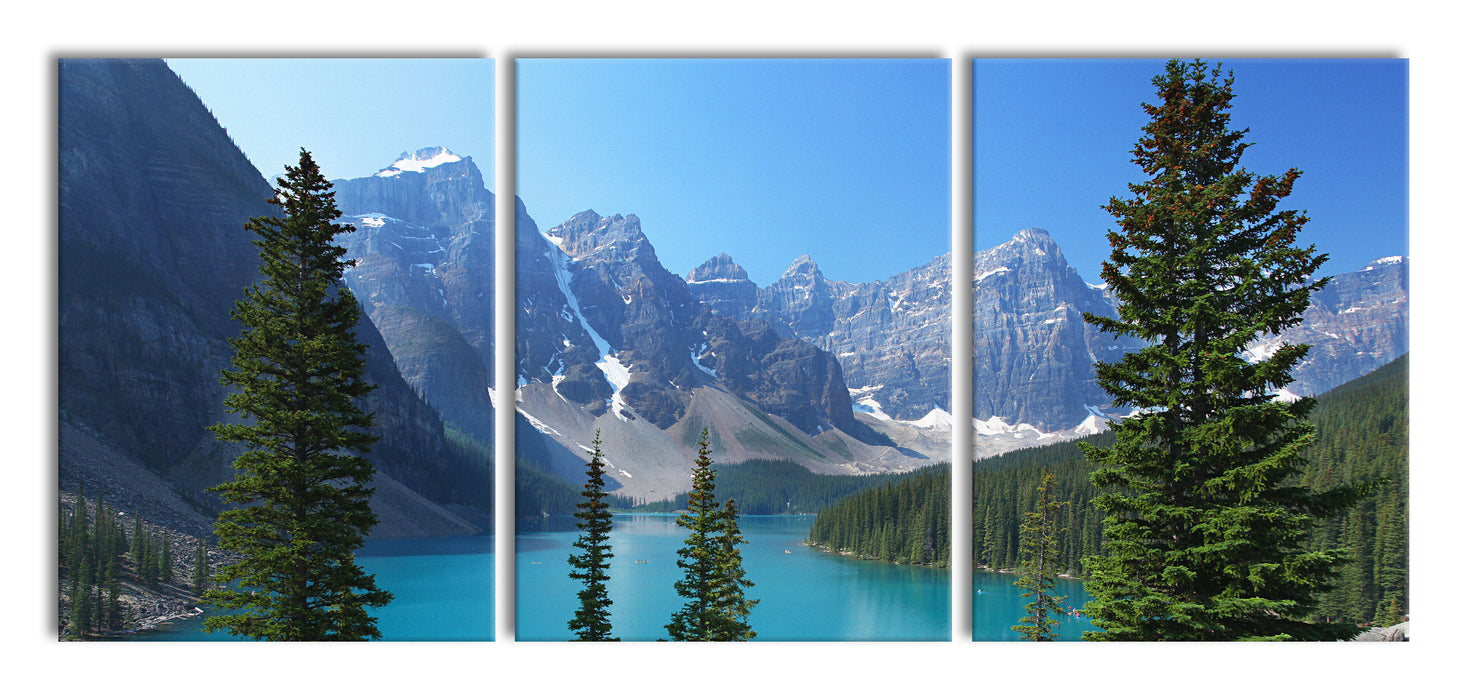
(1190,293)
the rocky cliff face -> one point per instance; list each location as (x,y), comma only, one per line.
(1355,324)
(1033,351)
(723,285)
(153,254)
(424,246)
(603,329)
(153,198)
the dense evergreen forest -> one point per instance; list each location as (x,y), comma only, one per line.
(906,521)
(1361,437)
(758,487)
(539,493)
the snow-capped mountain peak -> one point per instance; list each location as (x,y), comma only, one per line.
(419,160)
(1383,262)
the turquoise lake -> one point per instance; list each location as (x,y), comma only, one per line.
(998,604)
(443,590)
(805,594)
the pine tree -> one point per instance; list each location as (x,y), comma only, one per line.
(593,622)
(165,562)
(731,604)
(1039,559)
(1205,539)
(303,484)
(200,581)
(713,574)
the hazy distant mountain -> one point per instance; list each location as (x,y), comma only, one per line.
(424,246)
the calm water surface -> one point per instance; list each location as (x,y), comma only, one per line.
(443,590)
(805,594)
(998,604)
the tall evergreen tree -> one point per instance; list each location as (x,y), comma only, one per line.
(200,581)
(303,484)
(593,620)
(731,604)
(165,561)
(1205,537)
(1040,557)
(713,580)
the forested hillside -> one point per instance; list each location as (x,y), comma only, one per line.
(907,521)
(1362,436)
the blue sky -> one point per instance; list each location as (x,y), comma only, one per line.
(847,160)
(1053,140)
(355,116)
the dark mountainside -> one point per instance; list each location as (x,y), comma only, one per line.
(153,199)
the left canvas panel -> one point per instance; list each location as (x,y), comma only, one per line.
(360,304)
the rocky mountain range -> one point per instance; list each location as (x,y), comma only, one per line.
(609,340)
(843,377)
(1032,350)
(152,256)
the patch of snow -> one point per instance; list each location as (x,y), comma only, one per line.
(1091,425)
(1287,396)
(1262,350)
(374,219)
(694,356)
(537,423)
(994,271)
(560,265)
(619,376)
(871,407)
(411,163)
(996,426)
(1383,262)
(937,419)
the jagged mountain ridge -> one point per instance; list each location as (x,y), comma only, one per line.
(1033,352)
(608,339)
(153,254)
(892,337)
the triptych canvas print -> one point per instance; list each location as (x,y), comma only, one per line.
(717,370)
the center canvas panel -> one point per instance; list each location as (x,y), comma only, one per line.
(733,325)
